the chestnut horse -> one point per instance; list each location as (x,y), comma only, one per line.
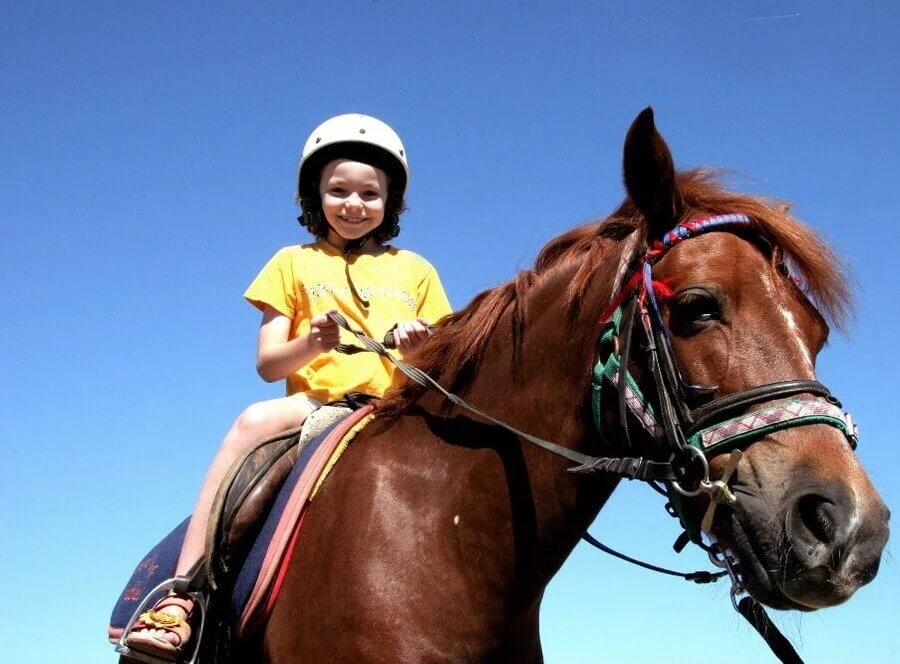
(435,537)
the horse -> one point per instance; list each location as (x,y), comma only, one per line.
(436,534)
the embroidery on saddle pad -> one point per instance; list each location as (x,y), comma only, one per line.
(157,566)
(260,579)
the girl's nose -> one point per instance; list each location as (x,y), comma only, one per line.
(353,201)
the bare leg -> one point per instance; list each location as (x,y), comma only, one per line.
(258,422)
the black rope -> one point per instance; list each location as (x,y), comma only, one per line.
(753,611)
(697,577)
(347,252)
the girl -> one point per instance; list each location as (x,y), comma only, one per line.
(351,183)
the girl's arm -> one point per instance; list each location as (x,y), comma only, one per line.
(277,357)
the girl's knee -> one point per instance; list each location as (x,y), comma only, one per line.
(256,419)
(250,427)
(264,419)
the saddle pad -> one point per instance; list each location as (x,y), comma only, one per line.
(260,578)
(159,564)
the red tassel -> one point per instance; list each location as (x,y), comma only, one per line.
(662,291)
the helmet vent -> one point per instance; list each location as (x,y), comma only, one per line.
(362,131)
(318,140)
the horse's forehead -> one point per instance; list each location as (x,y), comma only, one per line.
(723,257)
(744,269)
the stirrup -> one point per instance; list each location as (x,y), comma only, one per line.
(181,586)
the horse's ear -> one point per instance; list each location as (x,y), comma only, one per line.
(650,175)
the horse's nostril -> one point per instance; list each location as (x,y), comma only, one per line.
(817,514)
(833,542)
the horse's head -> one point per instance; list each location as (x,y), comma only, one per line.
(808,527)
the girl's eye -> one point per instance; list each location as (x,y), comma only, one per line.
(692,311)
(337,191)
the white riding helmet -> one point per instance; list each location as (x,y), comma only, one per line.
(354,136)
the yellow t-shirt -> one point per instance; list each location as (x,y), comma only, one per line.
(305,281)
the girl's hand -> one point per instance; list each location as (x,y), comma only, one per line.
(324,333)
(411,333)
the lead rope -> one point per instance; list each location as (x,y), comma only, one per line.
(754,613)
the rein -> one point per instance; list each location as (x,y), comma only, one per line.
(689,435)
(630,468)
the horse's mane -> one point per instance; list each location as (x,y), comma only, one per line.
(459,342)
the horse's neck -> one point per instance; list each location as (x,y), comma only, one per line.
(545,394)
(543,387)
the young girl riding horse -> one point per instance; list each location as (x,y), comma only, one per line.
(351,184)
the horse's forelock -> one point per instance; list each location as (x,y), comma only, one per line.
(820,270)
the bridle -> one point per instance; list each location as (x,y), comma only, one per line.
(688,435)
(692,435)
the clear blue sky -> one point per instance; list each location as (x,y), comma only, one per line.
(148,152)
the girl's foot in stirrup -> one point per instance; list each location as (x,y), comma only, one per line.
(163,631)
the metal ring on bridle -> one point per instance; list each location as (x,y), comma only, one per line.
(704,484)
(717,557)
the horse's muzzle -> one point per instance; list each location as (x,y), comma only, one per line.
(834,544)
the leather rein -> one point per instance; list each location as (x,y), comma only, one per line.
(689,435)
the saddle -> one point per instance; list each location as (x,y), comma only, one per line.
(253,523)
(246,495)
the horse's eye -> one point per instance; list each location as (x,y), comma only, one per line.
(692,311)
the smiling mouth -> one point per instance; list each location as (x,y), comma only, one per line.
(353,220)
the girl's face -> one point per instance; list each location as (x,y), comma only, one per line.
(353,199)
